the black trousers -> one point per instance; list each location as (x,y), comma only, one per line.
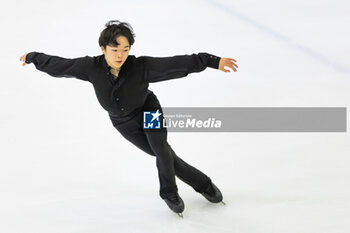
(154,142)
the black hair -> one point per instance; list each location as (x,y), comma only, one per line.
(114,29)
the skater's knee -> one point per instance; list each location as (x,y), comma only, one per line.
(150,151)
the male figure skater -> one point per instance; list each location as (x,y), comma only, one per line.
(121,85)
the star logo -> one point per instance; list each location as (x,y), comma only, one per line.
(156,115)
(151,120)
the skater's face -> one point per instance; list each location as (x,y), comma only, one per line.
(116,56)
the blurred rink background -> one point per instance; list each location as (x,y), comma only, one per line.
(64,168)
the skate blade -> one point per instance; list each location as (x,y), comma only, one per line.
(180,214)
(223,203)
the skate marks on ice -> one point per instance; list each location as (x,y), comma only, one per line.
(314,54)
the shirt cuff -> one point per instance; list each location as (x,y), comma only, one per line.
(213,61)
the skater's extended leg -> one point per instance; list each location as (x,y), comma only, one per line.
(189,174)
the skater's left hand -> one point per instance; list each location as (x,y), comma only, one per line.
(229,62)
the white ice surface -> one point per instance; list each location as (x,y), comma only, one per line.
(64,168)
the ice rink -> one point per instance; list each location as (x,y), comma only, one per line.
(65,169)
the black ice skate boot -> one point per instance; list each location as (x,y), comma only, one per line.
(212,193)
(175,203)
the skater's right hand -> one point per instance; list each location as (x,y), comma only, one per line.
(23,58)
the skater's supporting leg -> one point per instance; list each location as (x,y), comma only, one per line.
(165,161)
(153,143)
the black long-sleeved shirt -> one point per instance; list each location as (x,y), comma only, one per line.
(123,96)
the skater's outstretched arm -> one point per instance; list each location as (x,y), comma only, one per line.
(58,66)
(165,68)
